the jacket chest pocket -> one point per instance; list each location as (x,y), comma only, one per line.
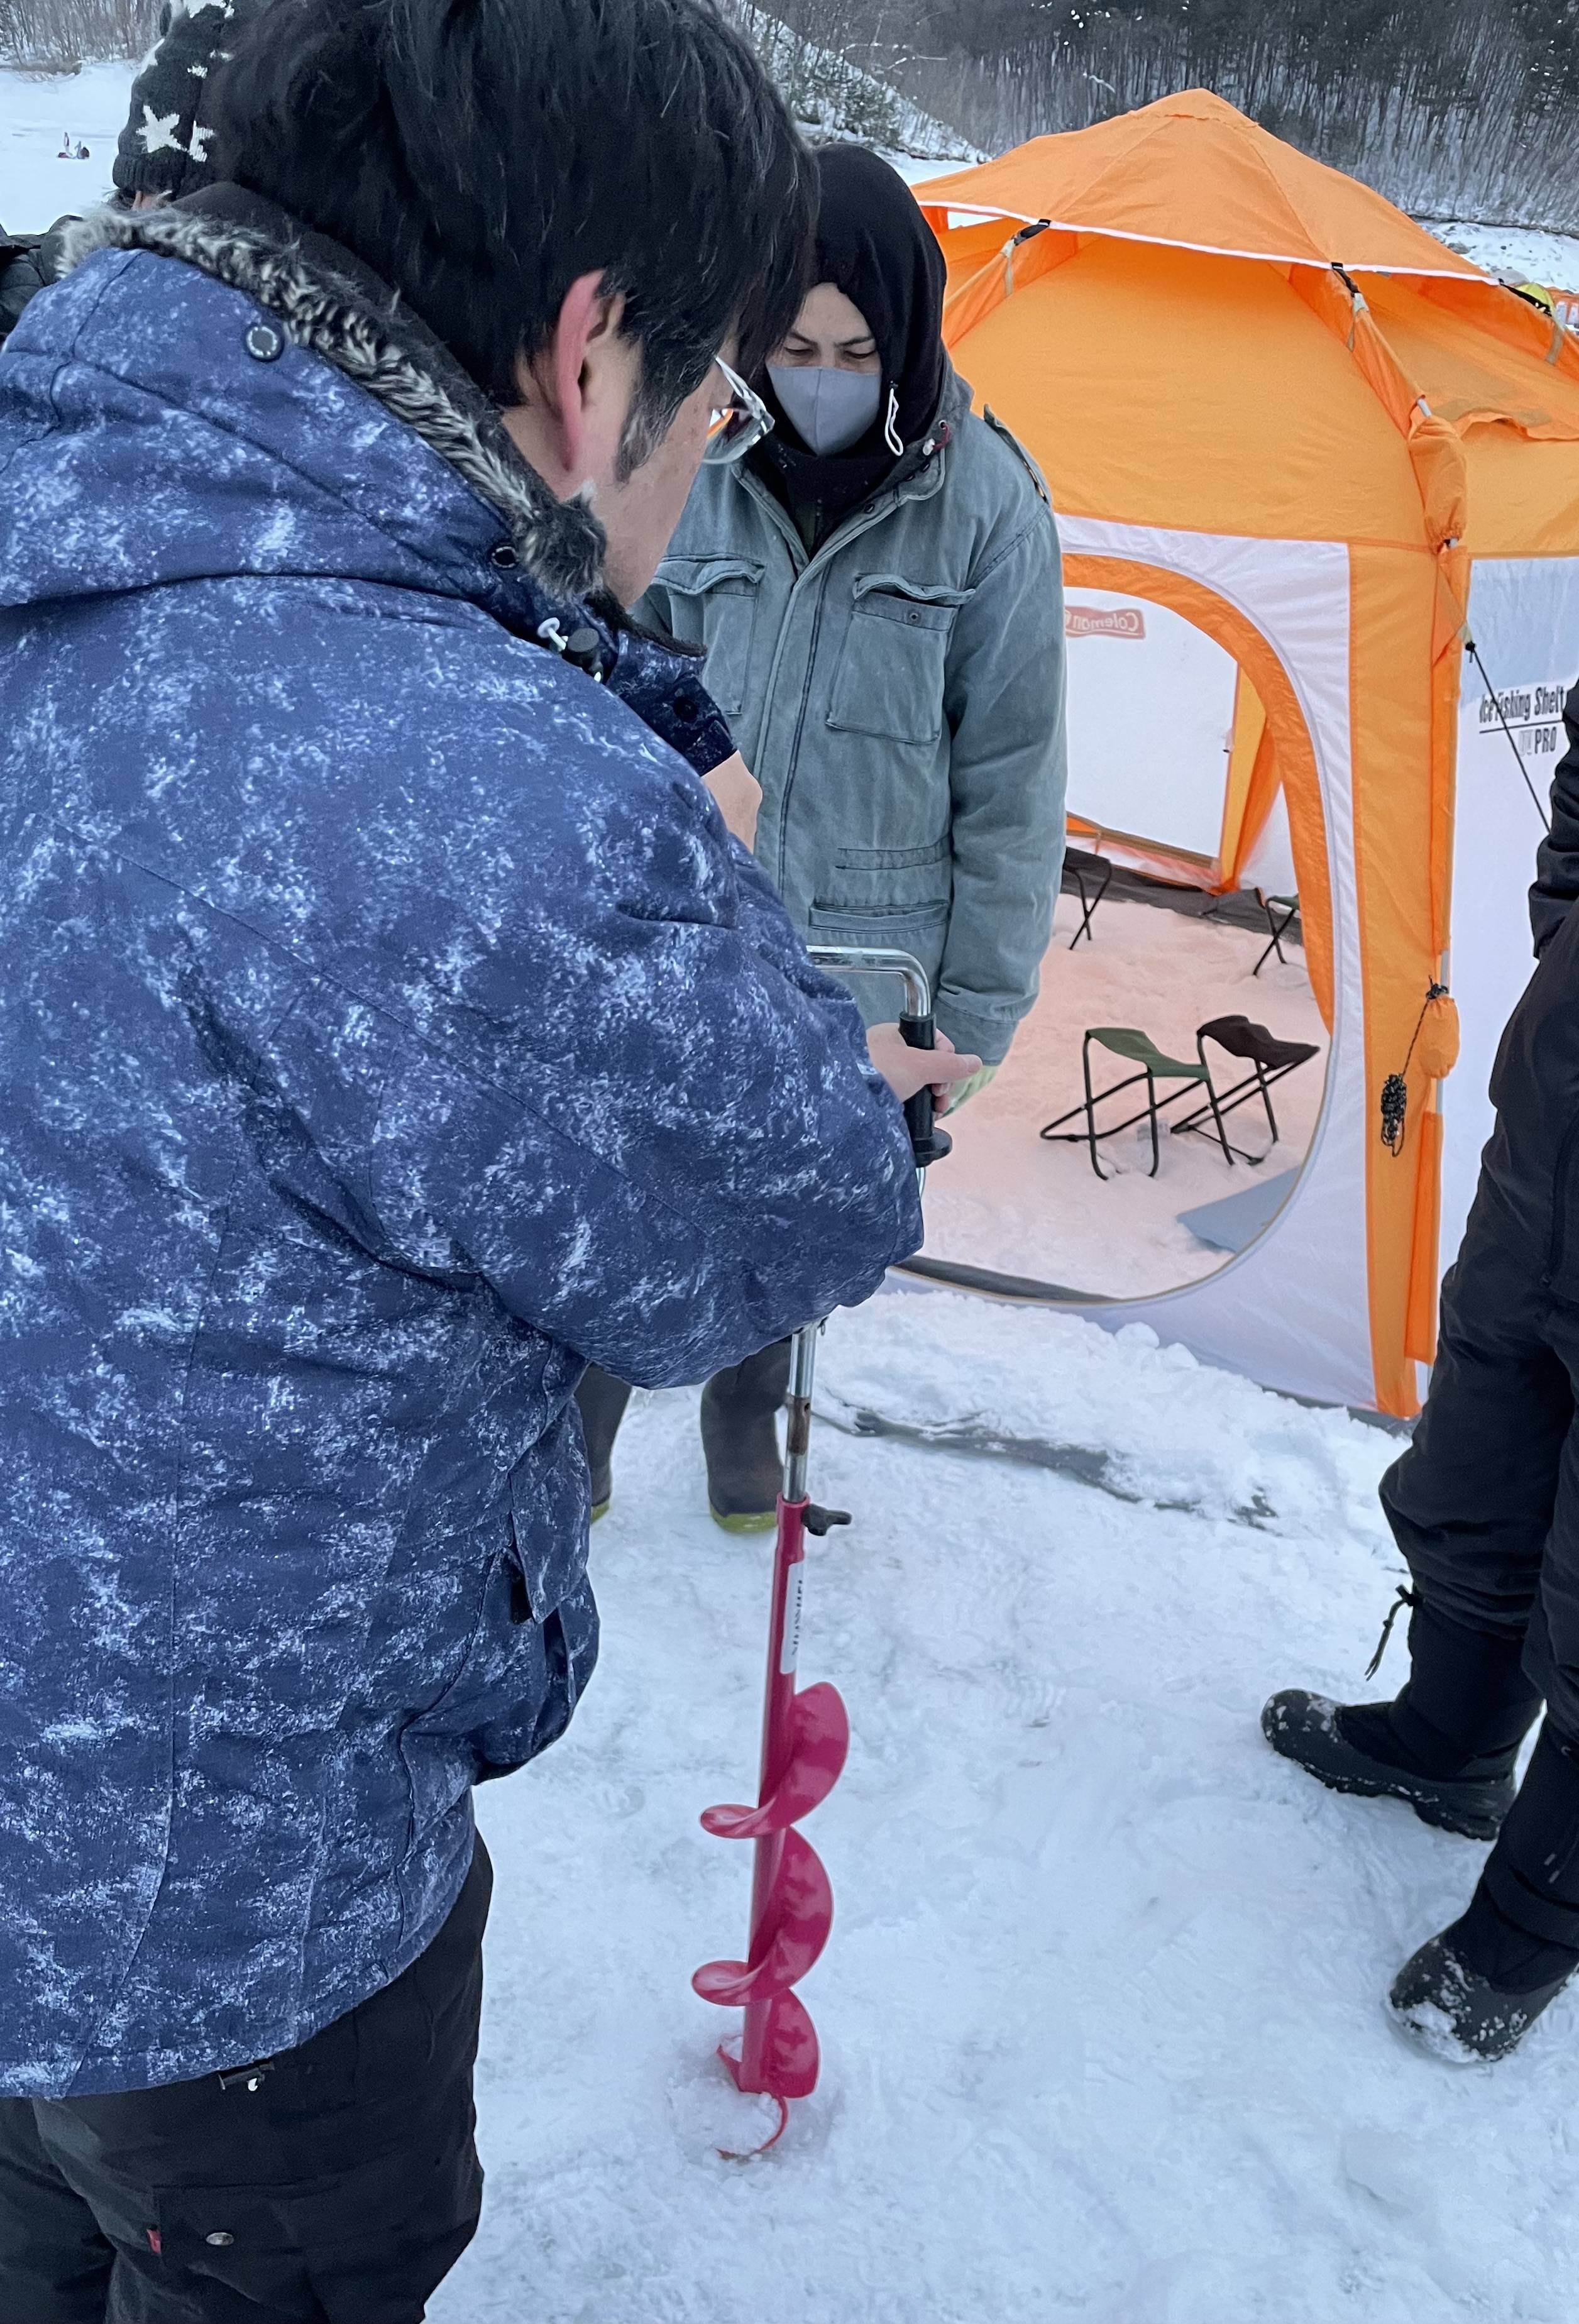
(712,602)
(893,659)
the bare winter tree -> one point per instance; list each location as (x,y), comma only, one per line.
(1454,109)
(63,31)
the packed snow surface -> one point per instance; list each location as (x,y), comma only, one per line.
(35,112)
(1527,252)
(1102,2012)
(1023,1205)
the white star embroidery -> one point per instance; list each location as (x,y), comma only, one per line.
(198,148)
(158,131)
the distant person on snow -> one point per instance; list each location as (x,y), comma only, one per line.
(164,149)
(1484,1505)
(878,589)
(391,1025)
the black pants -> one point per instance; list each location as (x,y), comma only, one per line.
(1485,1503)
(340,2190)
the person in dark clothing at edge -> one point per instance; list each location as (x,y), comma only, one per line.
(878,590)
(1484,1505)
(391,1026)
(164,149)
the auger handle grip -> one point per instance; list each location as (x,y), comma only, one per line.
(928,1144)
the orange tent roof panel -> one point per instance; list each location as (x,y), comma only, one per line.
(1192,171)
(1178,389)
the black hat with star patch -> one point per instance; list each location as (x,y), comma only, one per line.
(165,145)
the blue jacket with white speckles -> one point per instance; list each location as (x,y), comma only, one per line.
(389,1026)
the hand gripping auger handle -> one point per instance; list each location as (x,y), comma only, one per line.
(916,1026)
(806,1733)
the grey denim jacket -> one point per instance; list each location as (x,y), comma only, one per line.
(899,697)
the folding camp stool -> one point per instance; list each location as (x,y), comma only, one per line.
(1081,867)
(1270,1060)
(1127,1041)
(1289,907)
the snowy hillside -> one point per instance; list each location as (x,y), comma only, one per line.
(90,106)
(1102,2011)
(832,94)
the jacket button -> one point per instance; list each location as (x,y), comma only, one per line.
(219,2239)
(684,706)
(264,343)
(504,557)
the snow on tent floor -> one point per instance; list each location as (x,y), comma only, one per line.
(1010,1201)
(1102,2011)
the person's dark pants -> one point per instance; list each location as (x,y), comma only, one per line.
(337,2187)
(1485,1504)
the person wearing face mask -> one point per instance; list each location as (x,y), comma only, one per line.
(877,589)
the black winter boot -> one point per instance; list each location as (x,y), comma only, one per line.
(1447,1745)
(603,1400)
(1472,1993)
(740,1438)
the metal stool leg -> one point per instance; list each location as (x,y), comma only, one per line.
(1090,1107)
(1084,928)
(1279,929)
(1260,1075)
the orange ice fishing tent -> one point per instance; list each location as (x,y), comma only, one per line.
(1269,402)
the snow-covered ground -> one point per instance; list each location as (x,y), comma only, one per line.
(1524,251)
(90,108)
(1102,2011)
(1012,1202)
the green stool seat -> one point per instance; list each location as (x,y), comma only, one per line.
(1137,1048)
(1125,1041)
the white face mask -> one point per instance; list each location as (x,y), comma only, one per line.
(828,410)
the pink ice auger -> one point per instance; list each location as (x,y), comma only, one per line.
(806,1733)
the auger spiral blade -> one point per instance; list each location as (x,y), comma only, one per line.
(819,1741)
(790,1933)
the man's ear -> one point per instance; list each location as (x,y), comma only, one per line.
(567,383)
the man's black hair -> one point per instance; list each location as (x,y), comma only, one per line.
(482,155)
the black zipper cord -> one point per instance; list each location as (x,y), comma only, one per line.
(1395,1089)
(1410,1597)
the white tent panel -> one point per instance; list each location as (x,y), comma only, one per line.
(1524,617)
(1150,720)
(1269,865)
(1294,1310)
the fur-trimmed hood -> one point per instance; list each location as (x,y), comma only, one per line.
(328,303)
(226,459)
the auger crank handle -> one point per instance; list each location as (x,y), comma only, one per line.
(928,1144)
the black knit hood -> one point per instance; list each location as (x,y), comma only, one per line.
(165,145)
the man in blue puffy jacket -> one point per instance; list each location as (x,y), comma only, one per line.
(389,1026)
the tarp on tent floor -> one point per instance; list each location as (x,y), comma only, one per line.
(1270,405)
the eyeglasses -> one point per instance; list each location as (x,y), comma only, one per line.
(732,428)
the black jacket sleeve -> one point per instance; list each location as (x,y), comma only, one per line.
(29,264)
(20,280)
(1557,860)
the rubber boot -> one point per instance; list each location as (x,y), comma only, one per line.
(739,1439)
(1473,1992)
(603,1400)
(1447,1745)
